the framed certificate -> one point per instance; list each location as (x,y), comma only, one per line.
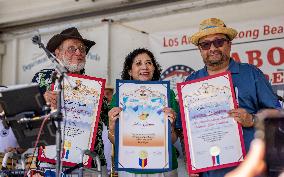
(213,140)
(143,134)
(81,112)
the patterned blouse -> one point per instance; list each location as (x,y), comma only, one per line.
(44,79)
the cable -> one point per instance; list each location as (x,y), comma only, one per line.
(132,28)
(37,140)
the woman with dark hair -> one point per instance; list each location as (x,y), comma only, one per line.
(130,59)
(141,65)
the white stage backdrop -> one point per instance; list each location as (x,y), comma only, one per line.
(260,43)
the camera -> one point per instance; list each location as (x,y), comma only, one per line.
(270,128)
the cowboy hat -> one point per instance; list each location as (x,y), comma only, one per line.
(69,33)
(212,26)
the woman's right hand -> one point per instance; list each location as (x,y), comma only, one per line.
(112,116)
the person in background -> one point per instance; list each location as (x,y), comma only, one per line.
(140,64)
(253,91)
(7,137)
(108,92)
(8,141)
(70,48)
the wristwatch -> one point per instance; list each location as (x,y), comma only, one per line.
(253,119)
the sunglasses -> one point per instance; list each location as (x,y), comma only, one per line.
(217,43)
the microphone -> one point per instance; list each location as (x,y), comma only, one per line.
(36,39)
(280,98)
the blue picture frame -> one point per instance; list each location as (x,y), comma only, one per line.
(140,170)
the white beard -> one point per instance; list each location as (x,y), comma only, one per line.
(73,67)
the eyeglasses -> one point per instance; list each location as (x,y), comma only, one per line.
(217,43)
(73,49)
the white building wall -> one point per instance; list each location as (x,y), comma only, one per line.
(123,41)
(9,62)
(247,11)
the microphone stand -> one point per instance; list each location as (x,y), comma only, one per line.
(57,116)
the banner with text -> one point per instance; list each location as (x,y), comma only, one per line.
(259,42)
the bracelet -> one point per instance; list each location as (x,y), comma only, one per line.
(111,134)
(173,129)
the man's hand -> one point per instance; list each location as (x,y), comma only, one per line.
(242,116)
(51,98)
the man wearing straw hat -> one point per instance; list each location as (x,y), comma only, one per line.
(253,91)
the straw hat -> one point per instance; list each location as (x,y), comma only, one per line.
(69,33)
(212,26)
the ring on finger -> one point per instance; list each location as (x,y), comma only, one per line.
(171,116)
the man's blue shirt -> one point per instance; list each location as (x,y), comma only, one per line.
(254,93)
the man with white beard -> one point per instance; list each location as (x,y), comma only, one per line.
(70,48)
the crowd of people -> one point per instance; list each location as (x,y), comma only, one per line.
(214,41)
